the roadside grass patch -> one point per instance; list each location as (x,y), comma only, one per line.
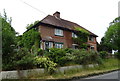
(108,65)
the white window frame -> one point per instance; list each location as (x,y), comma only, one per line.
(50,44)
(74,35)
(58,32)
(58,45)
(91,38)
(92,47)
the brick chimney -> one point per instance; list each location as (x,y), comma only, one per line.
(57,14)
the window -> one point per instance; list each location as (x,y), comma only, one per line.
(92,47)
(59,32)
(48,45)
(91,38)
(74,35)
(58,45)
(74,46)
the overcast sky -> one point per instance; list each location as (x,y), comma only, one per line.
(94,15)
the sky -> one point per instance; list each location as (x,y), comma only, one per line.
(94,15)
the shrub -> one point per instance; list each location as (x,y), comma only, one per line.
(23,59)
(86,57)
(56,55)
(117,55)
(103,54)
(40,52)
(81,56)
(46,63)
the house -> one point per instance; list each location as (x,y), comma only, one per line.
(57,32)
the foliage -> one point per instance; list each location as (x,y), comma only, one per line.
(103,46)
(103,54)
(82,37)
(23,59)
(112,35)
(86,57)
(46,63)
(81,30)
(32,24)
(8,40)
(40,52)
(117,55)
(56,55)
(31,39)
(74,56)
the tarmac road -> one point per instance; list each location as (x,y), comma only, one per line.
(112,76)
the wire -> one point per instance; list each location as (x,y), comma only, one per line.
(33,7)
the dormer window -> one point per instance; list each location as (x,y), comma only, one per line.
(74,35)
(58,32)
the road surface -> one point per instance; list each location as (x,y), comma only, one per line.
(113,76)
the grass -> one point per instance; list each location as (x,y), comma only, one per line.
(108,65)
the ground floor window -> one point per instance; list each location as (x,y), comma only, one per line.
(58,45)
(92,47)
(48,45)
(74,46)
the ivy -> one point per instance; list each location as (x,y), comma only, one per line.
(81,30)
(82,37)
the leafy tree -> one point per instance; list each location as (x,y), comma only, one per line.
(103,46)
(8,40)
(30,25)
(30,39)
(112,35)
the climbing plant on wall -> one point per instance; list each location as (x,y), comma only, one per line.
(82,37)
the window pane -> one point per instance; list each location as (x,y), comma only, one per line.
(59,32)
(58,45)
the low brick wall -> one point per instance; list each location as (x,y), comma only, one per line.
(32,72)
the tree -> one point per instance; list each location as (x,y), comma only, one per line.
(103,46)
(30,39)
(112,35)
(8,39)
(32,24)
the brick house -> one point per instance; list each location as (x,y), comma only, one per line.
(57,32)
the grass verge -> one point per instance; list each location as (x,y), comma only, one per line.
(107,66)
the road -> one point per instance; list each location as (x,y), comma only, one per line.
(113,76)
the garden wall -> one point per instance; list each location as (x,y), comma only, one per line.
(26,73)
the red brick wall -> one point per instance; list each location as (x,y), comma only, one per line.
(93,43)
(50,31)
(66,39)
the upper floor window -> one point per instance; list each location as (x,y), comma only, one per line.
(74,35)
(59,32)
(91,38)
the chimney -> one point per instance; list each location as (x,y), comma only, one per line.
(57,14)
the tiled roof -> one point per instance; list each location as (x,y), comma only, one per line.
(52,20)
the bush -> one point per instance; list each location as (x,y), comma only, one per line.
(117,55)
(23,59)
(86,57)
(77,56)
(45,62)
(57,55)
(103,54)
